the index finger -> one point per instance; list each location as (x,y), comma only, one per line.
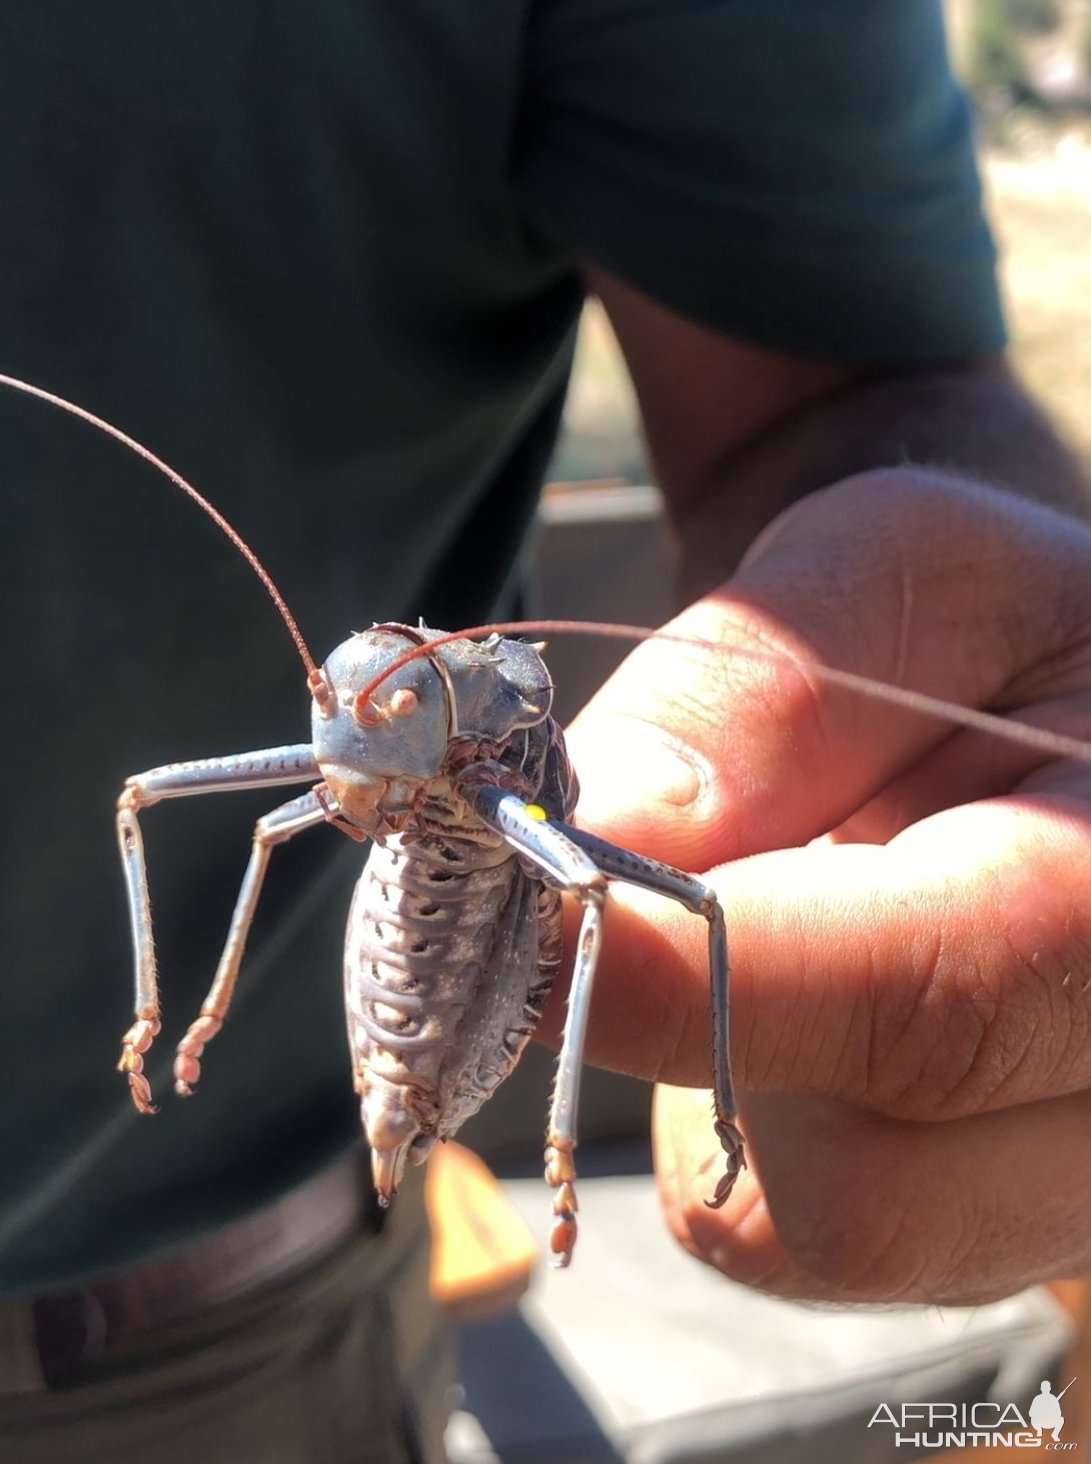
(941,975)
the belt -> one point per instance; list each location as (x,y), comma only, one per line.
(48,1337)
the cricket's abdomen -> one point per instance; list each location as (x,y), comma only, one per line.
(450,952)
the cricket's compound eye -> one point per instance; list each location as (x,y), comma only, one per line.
(402,703)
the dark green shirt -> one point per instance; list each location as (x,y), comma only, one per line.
(323,258)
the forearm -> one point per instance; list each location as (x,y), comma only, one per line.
(976,421)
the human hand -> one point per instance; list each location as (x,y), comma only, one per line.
(908,903)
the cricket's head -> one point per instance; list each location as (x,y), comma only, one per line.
(392,701)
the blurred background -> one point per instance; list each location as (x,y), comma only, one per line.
(1027,64)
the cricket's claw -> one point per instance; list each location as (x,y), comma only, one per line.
(187,1055)
(134,1045)
(731,1141)
(560,1175)
(139,1088)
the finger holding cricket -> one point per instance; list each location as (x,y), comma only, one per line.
(908,900)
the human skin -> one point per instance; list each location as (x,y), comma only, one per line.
(909,904)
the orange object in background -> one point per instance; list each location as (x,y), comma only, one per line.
(482,1252)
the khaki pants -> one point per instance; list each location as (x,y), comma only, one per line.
(346,1363)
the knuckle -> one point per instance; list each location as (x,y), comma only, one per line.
(975,1020)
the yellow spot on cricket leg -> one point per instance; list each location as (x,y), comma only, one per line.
(537,811)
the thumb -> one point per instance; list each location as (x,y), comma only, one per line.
(698,753)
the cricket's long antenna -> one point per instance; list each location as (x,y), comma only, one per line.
(179,482)
(1040,739)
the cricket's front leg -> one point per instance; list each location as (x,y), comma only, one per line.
(274,828)
(295,764)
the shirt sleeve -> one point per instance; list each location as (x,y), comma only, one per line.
(799,173)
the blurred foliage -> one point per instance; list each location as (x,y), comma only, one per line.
(995,61)
(1029,52)
(1031,17)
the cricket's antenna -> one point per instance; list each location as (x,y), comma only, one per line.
(1024,734)
(201,501)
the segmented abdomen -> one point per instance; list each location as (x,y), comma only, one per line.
(450,952)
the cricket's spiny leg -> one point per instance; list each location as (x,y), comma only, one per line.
(273,829)
(268,768)
(560,1162)
(663,879)
(146,1026)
